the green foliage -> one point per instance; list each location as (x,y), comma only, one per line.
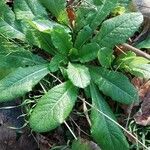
(21,81)
(107,134)
(79,75)
(26,9)
(57,8)
(61,40)
(35,43)
(88,52)
(137,66)
(53,108)
(105,57)
(114,84)
(9,27)
(120,27)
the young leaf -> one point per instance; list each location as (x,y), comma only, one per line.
(83,36)
(88,52)
(8,26)
(136,65)
(102,11)
(106,133)
(28,9)
(61,40)
(105,57)
(114,84)
(53,108)
(38,34)
(84,15)
(118,29)
(79,75)
(21,81)
(55,62)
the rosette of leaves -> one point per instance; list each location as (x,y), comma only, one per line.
(74,40)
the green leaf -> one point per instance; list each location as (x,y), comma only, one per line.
(55,62)
(88,52)
(61,40)
(84,15)
(53,108)
(84,145)
(118,29)
(83,35)
(105,132)
(102,12)
(136,65)
(115,85)
(28,9)
(98,2)
(79,75)
(57,8)
(14,56)
(105,57)
(38,34)
(21,81)
(9,27)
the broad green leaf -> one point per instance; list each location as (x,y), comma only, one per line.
(53,108)
(9,27)
(105,132)
(57,8)
(28,9)
(118,29)
(136,65)
(83,35)
(84,145)
(115,85)
(102,12)
(61,40)
(56,61)
(105,57)
(21,81)
(88,52)
(79,75)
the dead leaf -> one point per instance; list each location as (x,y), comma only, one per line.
(142,117)
(142,86)
(71,16)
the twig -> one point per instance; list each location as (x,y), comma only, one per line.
(136,50)
(70,130)
(86,112)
